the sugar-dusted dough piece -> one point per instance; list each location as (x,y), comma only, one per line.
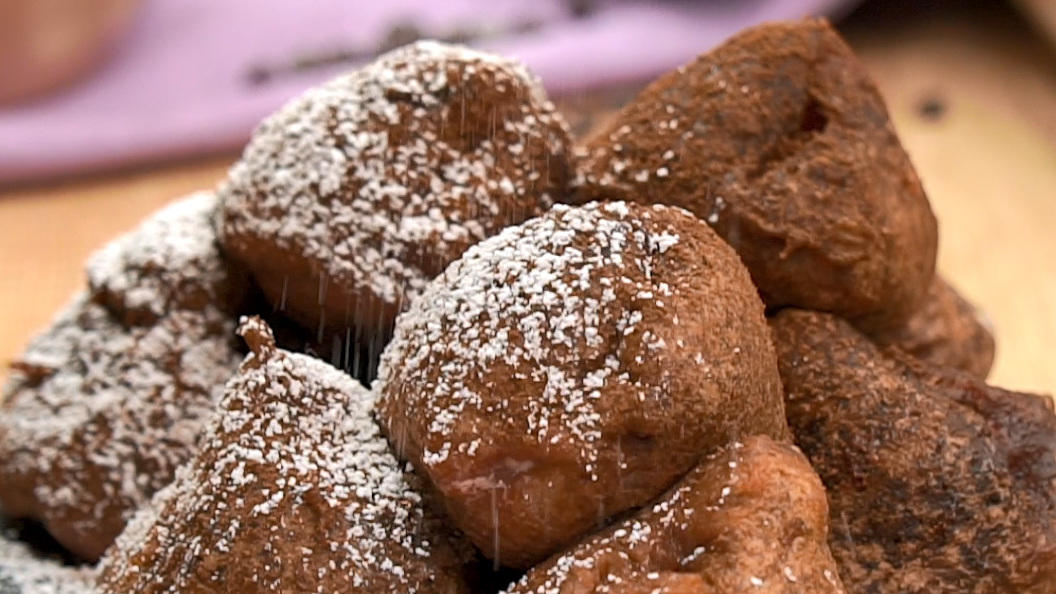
(106,402)
(779,139)
(96,417)
(171,261)
(293,490)
(573,367)
(349,199)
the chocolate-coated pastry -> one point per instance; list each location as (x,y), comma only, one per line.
(293,490)
(937,482)
(779,139)
(349,199)
(576,366)
(946,331)
(104,405)
(751,517)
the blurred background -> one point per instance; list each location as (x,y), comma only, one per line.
(111,108)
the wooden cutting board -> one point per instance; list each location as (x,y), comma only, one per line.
(975,105)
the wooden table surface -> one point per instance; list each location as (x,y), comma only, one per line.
(973,97)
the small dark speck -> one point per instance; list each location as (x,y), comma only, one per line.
(932,109)
(258,75)
(525,26)
(582,8)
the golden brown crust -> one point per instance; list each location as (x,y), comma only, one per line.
(937,482)
(573,367)
(947,331)
(779,139)
(751,517)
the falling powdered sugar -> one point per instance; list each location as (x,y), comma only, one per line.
(573,367)
(533,299)
(380,177)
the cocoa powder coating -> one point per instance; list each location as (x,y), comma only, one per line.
(946,331)
(752,517)
(936,481)
(781,142)
(573,367)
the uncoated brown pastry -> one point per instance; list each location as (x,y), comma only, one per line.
(576,366)
(349,199)
(946,331)
(752,517)
(293,490)
(97,414)
(779,139)
(937,482)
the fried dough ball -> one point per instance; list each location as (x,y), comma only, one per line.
(937,482)
(104,405)
(947,331)
(573,367)
(349,199)
(293,490)
(779,139)
(751,517)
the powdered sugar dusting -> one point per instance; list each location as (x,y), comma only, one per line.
(24,572)
(539,299)
(364,176)
(107,402)
(171,260)
(294,439)
(93,402)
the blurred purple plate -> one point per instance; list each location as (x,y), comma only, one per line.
(195,76)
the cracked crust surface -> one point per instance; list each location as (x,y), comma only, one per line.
(781,142)
(936,481)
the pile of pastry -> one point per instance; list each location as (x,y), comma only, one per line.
(702,350)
